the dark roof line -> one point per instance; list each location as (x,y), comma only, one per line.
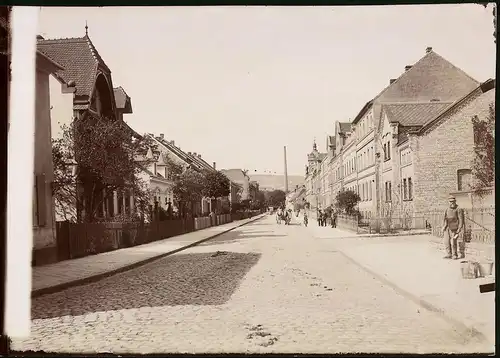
(483,87)
(54,62)
(362,112)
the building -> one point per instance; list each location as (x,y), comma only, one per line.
(82,88)
(313,178)
(167,150)
(44,237)
(370,156)
(241,178)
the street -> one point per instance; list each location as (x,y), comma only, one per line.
(261,288)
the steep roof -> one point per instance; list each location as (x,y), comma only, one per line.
(413,114)
(53,64)
(79,58)
(476,92)
(176,150)
(345,127)
(432,77)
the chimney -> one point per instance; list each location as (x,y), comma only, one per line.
(428,49)
(391,81)
(199,156)
(162,136)
(214,166)
(172,142)
(190,153)
(408,67)
(195,154)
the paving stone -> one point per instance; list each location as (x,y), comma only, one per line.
(192,302)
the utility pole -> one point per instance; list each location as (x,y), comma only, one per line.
(286,170)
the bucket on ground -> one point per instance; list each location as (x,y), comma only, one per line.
(470,269)
(485,268)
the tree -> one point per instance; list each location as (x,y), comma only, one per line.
(95,157)
(483,166)
(215,185)
(346,201)
(188,188)
(276,198)
(494,11)
(260,197)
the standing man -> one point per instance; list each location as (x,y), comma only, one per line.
(453,224)
(334,218)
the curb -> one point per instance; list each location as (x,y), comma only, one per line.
(100,276)
(357,236)
(421,302)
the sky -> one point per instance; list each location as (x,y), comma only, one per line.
(237,84)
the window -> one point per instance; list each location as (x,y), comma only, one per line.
(368,156)
(405,190)
(410,189)
(370,190)
(362,192)
(154,168)
(464,179)
(367,197)
(387,151)
(388,191)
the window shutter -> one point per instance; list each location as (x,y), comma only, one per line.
(41,200)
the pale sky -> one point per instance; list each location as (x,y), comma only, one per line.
(236,84)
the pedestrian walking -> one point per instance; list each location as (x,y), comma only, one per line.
(453,224)
(334,218)
(319,217)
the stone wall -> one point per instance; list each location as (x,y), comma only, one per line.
(443,150)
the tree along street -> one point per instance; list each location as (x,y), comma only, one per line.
(260,288)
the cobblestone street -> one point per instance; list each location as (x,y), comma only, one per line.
(262,288)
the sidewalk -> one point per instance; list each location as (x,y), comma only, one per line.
(413,267)
(64,274)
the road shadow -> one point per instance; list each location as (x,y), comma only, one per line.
(241,235)
(183,279)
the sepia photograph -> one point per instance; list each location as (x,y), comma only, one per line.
(251,179)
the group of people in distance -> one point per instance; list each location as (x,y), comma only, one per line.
(325,214)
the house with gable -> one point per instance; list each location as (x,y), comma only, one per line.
(169,151)
(82,88)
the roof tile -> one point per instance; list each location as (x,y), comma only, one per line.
(414,114)
(432,77)
(79,58)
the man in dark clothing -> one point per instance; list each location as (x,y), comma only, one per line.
(334,218)
(319,217)
(453,224)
